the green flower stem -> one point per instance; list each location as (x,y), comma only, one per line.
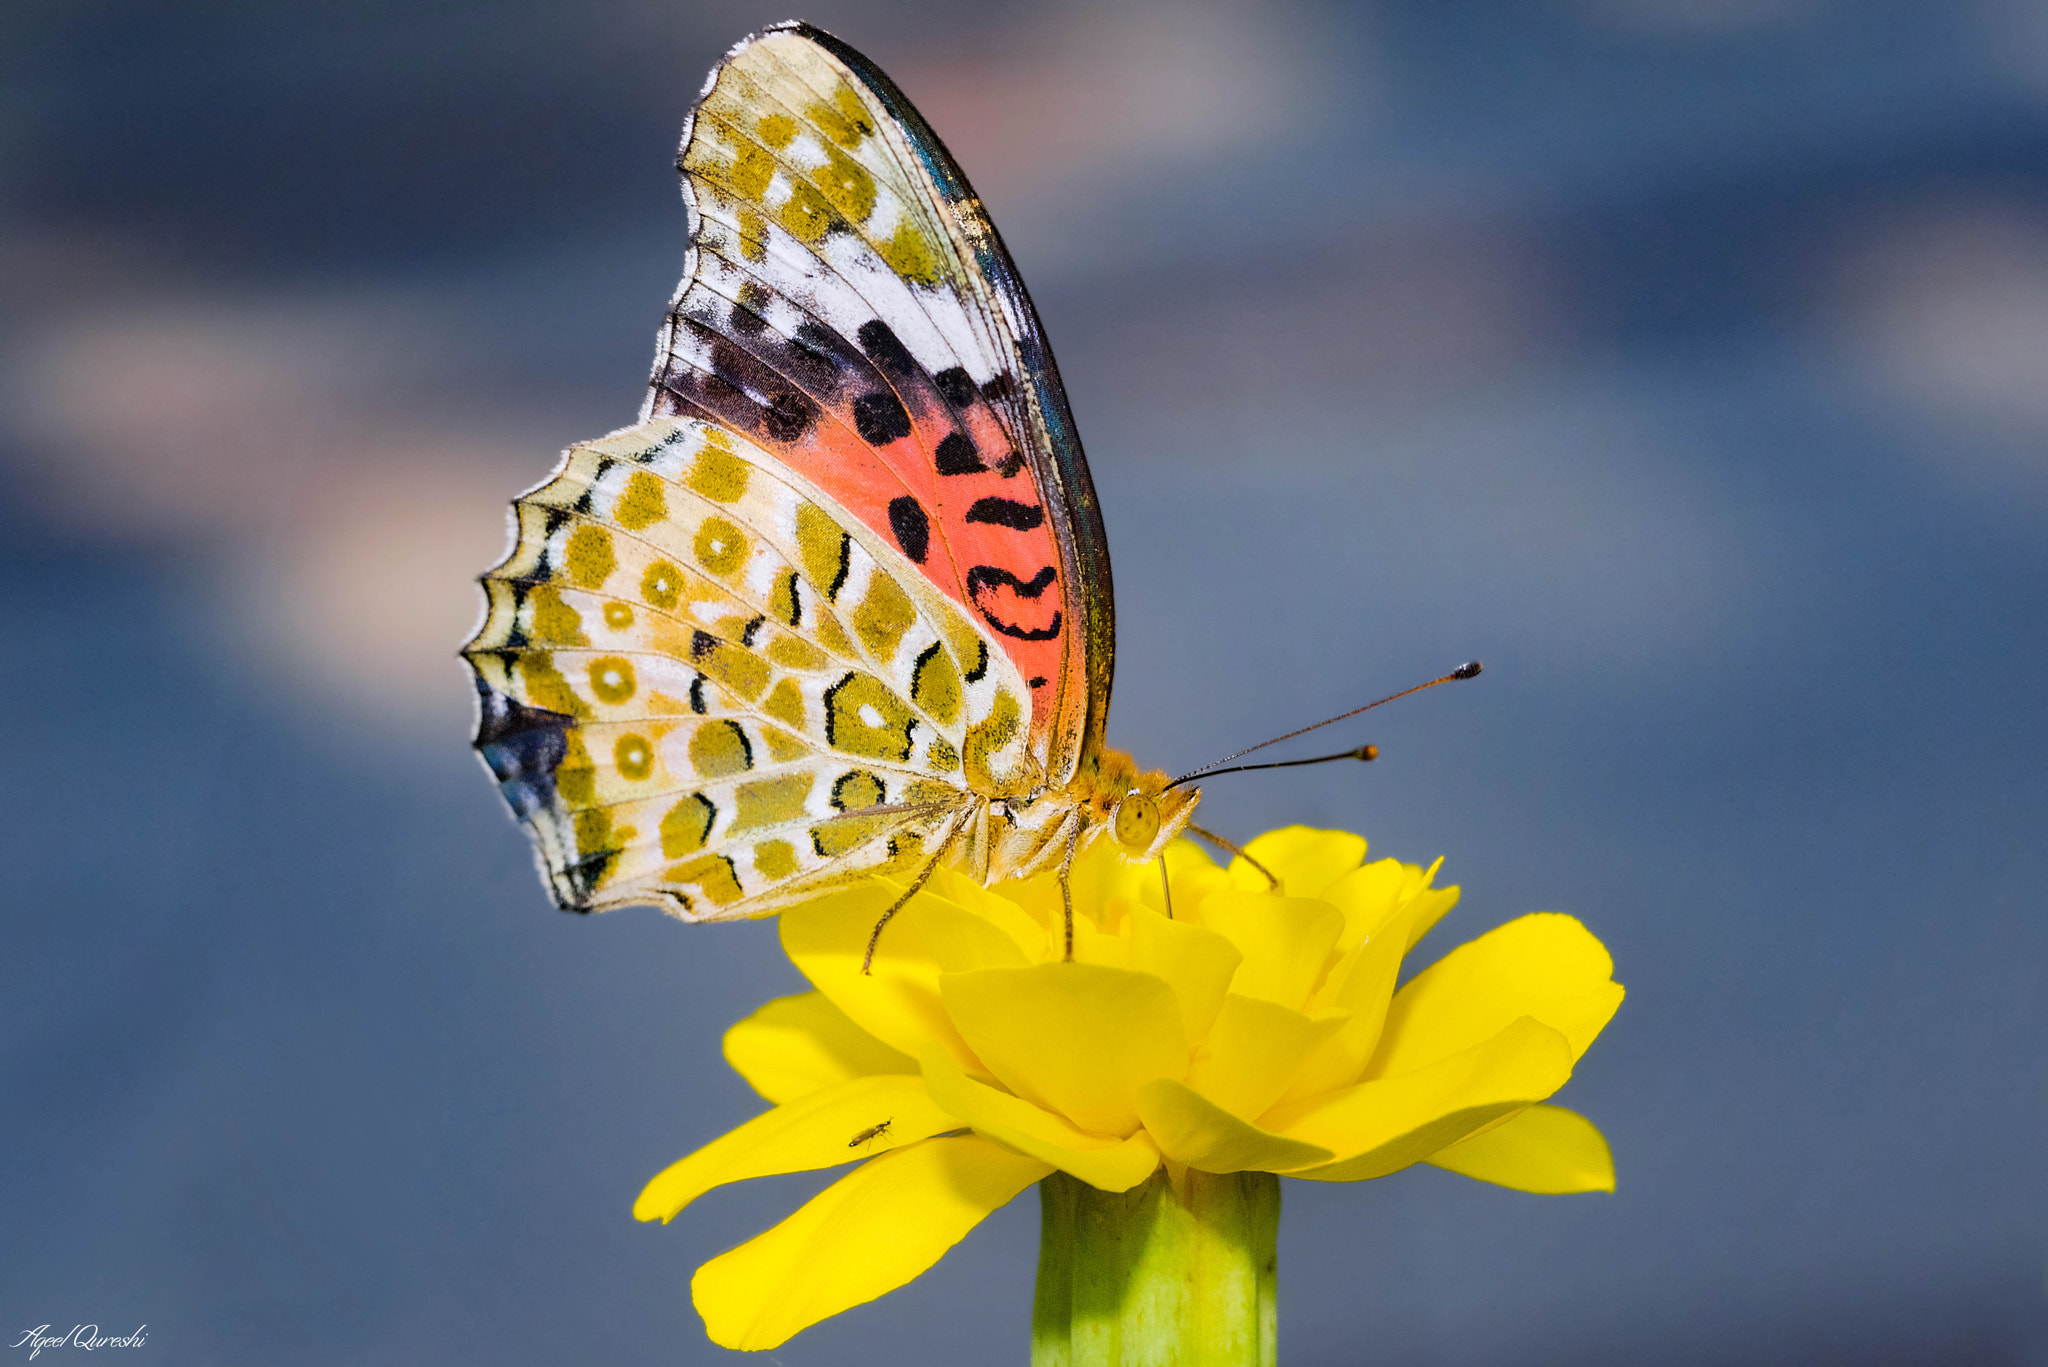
(1177,1272)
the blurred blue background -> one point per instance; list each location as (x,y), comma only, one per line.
(1685,360)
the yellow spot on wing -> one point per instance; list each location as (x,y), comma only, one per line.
(554,621)
(687,825)
(634,757)
(753,235)
(718,474)
(642,504)
(884,614)
(907,253)
(774,859)
(784,748)
(824,548)
(786,703)
(988,736)
(752,169)
(770,801)
(806,215)
(545,686)
(576,776)
(611,678)
(793,652)
(589,556)
(783,604)
(862,717)
(719,749)
(832,636)
(661,585)
(855,789)
(844,120)
(721,547)
(739,669)
(712,874)
(935,685)
(595,834)
(846,185)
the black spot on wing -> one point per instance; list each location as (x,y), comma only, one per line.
(956,387)
(1007,512)
(983,577)
(523,746)
(583,876)
(890,356)
(739,367)
(980,670)
(697,393)
(788,416)
(913,529)
(880,418)
(742,317)
(956,456)
(990,577)
(1044,633)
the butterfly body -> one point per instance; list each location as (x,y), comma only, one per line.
(839,604)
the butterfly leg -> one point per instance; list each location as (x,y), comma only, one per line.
(867,962)
(1166,885)
(1067,884)
(1220,843)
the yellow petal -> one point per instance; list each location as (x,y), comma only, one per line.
(1093,946)
(1432,903)
(1189,1128)
(1194,874)
(1197,964)
(1360,987)
(1304,859)
(898,1004)
(797,1045)
(865,1235)
(1378,1127)
(1010,918)
(1285,941)
(1546,1149)
(1370,897)
(1546,965)
(1100,875)
(1107,1164)
(1077,1039)
(816,1131)
(1253,1052)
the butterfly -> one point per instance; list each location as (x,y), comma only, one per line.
(839,604)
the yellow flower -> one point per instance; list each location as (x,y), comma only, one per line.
(1251,1030)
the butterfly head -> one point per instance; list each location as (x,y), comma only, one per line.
(1144,815)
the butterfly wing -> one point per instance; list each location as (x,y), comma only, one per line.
(848,308)
(694,664)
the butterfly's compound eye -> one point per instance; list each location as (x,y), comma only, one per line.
(1136,822)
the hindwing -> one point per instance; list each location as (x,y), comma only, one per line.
(694,663)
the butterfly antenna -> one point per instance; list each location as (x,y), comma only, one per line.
(1468,670)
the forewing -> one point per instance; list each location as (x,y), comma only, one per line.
(849,309)
(693,664)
